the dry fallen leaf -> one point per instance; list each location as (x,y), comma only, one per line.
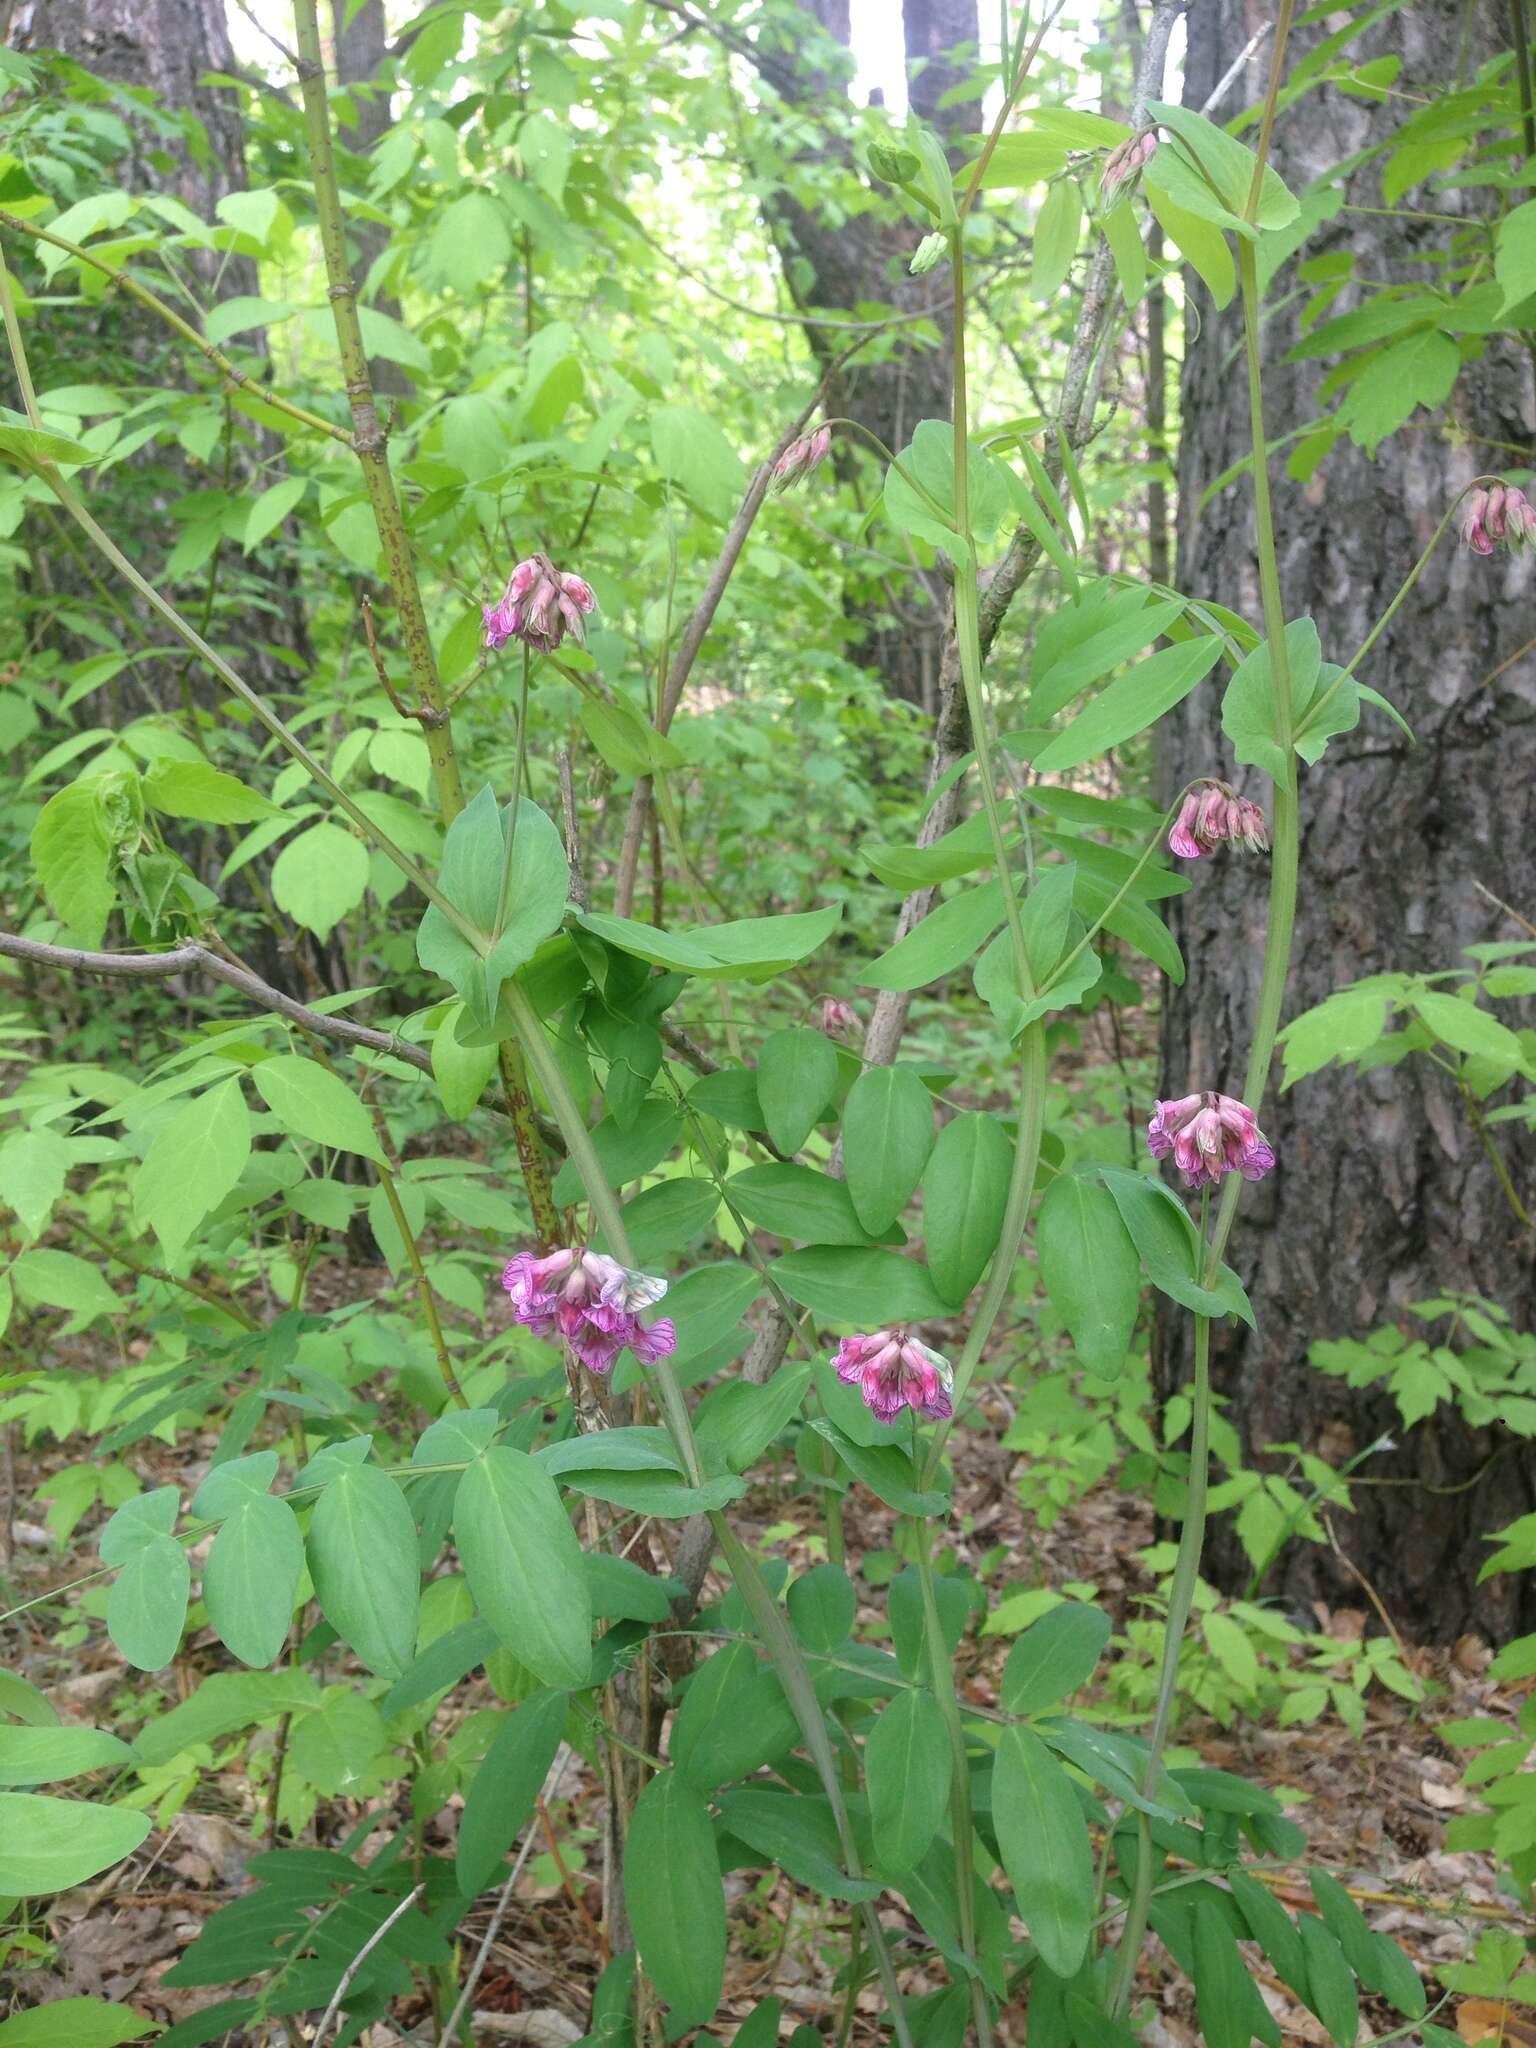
(1490,2019)
(1446,1797)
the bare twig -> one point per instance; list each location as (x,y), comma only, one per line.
(361,1957)
(580,895)
(198,959)
(1229,77)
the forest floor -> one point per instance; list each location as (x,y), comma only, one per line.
(1374,1810)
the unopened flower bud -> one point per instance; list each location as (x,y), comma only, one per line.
(929,254)
(836,1016)
(1125,164)
(1212,812)
(1498,512)
(895,166)
(800,458)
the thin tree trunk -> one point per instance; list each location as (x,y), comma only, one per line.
(1384,1194)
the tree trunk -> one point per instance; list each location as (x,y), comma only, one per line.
(837,265)
(1383,1194)
(361,49)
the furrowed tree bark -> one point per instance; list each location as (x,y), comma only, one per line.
(836,263)
(1383,1194)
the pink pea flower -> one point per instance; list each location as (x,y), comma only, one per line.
(836,1016)
(1212,812)
(1209,1135)
(540,605)
(893,1371)
(800,458)
(1501,512)
(590,1301)
(1125,164)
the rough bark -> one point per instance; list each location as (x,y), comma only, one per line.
(839,264)
(1383,1194)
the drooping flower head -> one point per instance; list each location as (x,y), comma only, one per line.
(837,1016)
(800,458)
(893,1371)
(591,1302)
(1501,512)
(1125,164)
(1209,1135)
(540,605)
(1212,812)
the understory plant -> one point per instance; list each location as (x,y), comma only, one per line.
(710,1207)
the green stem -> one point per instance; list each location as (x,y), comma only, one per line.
(782,1648)
(504,893)
(1186,1572)
(368,437)
(942,1672)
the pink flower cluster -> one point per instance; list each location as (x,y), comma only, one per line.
(1209,1135)
(837,1016)
(1212,812)
(800,458)
(1125,163)
(893,1371)
(1501,512)
(539,606)
(590,1301)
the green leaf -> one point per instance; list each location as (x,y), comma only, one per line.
(657,1494)
(858,1287)
(747,949)
(147,1603)
(72,852)
(887,1136)
(1131,703)
(471,242)
(692,451)
(907,1776)
(1224,1991)
(1341,1027)
(662,1220)
(251,1577)
(1057,226)
(194,1160)
(241,313)
(461,1072)
(1248,707)
(1514,262)
(1091,1269)
(1375,1958)
(797,1832)
(502,1791)
(625,740)
(320,877)
(1169,1245)
(1464,1027)
(48,1845)
(946,938)
(739,1420)
(1224,164)
(195,789)
(625,1151)
(272,508)
(733,1719)
(1054,1656)
(45,1278)
(929,459)
(798,1203)
(33,1168)
(1045,1849)
(473,856)
(1085,638)
(1331,1994)
(676,1898)
(42,1756)
(1203,247)
(73,2023)
(26,446)
(796,1076)
(965,1190)
(309,1101)
(523,1564)
(886,1469)
(363,1558)
(959,852)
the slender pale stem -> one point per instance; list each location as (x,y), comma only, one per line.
(942,1672)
